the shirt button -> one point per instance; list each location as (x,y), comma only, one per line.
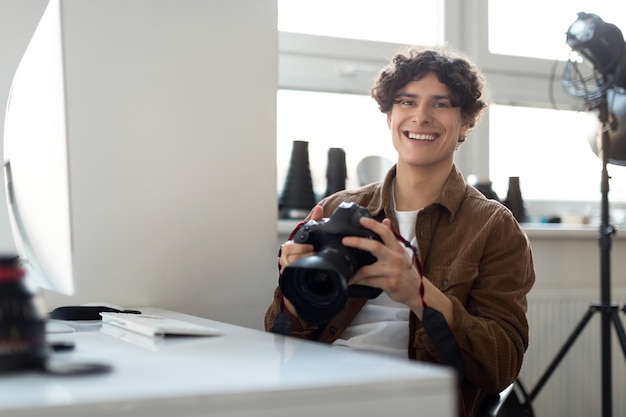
(332,330)
(445,282)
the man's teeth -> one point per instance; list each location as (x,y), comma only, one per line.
(421,137)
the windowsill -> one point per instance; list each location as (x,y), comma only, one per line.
(565,231)
(533,230)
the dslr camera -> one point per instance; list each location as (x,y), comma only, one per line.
(317,285)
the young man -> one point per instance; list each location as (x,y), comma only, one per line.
(477,261)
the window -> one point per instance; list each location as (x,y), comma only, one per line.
(373,20)
(555,144)
(548,22)
(327,68)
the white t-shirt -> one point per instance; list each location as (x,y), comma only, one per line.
(382,325)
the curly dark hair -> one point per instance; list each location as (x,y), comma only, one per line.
(462,77)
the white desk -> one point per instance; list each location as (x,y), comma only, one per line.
(242,373)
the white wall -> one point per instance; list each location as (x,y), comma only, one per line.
(172,144)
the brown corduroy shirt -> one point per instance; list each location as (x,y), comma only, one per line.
(476,253)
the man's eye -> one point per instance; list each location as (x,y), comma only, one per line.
(442,104)
(402,102)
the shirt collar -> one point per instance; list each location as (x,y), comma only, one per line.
(450,198)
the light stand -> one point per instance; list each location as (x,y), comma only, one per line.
(607,310)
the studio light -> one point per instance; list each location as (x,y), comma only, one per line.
(602,44)
(616,104)
(596,72)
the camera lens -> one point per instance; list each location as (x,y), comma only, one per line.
(318,289)
(315,277)
(22,323)
(319,283)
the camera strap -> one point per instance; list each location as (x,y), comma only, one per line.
(434,322)
(282,324)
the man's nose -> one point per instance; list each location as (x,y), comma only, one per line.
(422,114)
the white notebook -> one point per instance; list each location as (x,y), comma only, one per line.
(157,326)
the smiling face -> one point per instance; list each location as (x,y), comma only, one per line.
(425,128)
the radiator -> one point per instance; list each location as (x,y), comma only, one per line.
(574,388)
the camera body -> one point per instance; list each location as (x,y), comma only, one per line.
(317,285)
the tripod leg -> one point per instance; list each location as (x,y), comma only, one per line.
(620,331)
(555,362)
(607,370)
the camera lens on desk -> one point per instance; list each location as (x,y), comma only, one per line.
(22,323)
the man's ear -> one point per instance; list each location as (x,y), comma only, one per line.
(465,127)
(389,119)
(464,131)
